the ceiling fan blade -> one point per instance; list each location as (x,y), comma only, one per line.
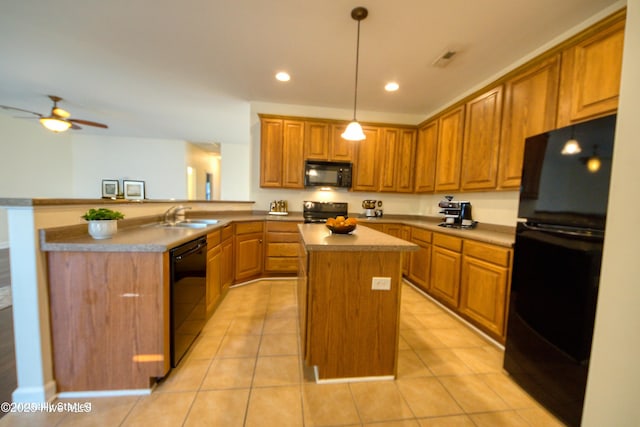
(75,126)
(89,123)
(6,107)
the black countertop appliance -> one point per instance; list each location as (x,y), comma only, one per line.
(557,257)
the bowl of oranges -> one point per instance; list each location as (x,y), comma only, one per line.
(341,225)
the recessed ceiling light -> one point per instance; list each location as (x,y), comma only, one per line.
(283,76)
(391,87)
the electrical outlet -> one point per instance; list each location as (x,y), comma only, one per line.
(381,283)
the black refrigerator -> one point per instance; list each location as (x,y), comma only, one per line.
(557,257)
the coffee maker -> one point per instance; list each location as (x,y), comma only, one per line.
(457,214)
(372,208)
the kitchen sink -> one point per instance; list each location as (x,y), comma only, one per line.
(199,220)
(189,223)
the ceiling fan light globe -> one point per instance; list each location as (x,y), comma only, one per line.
(57,111)
(353,132)
(55,125)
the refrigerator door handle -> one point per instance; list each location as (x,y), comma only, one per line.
(563,231)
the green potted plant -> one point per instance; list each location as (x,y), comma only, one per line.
(103,222)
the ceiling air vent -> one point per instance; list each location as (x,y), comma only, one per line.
(444,59)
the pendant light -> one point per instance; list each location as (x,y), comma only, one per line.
(353,132)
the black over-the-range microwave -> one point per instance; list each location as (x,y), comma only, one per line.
(327,174)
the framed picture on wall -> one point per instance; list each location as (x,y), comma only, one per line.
(133,190)
(110,188)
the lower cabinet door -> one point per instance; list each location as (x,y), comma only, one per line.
(249,256)
(214,264)
(483,294)
(445,275)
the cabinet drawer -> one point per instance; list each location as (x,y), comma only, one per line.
(287,227)
(282,237)
(421,235)
(249,227)
(282,264)
(282,249)
(213,239)
(227,232)
(490,253)
(449,242)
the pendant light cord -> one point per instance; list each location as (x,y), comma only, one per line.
(355,96)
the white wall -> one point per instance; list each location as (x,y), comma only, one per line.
(34,162)
(161,163)
(613,388)
(236,172)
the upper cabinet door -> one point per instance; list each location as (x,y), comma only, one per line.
(425,158)
(590,80)
(482,141)
(387,158)
(340,150)
(271,146)
(404,162)
(449,155)
(316,137)
(365,167)
(530,105)
(292,154)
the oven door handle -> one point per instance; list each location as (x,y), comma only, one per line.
(564,232)
(190,252)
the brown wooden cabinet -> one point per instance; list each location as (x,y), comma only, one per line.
(281,153)
(387,158)
(323,141)
(248,250)
(420,261)
(449,151)
(110,326)
(214,271)
(484,286)
(271,153)
(365,169)
(282,246)
(483,118)
(530,105)
(227,268)
(340,150)
(590,76)
(316,138)
(425,158)
(446,258)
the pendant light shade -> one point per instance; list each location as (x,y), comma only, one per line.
(354,130)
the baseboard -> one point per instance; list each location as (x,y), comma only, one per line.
(46,393)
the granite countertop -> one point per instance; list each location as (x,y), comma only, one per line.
(317,237)
(145,235)
(500,235)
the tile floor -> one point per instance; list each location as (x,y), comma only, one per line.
(245,370)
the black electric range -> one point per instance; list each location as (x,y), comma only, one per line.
(318,212)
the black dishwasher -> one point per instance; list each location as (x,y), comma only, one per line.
(188,295)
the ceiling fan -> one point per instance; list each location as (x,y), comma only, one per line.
(58,120)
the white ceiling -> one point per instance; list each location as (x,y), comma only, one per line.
(189,69)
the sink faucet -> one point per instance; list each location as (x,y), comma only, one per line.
(175,214)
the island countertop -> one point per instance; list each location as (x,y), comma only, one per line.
(317,237)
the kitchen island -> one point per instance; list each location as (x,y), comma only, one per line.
(349,302)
